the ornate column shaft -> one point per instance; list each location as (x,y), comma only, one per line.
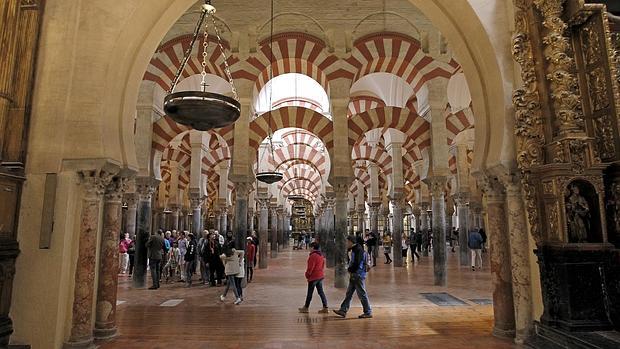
(340,232)
(81,334)
(242,190)
(196,202)
(145,187)
(462,212)
(437,185)
(263,222)
(503,308)
(330,232)
(397,231)
(424,223)
(274,232)
(105,314)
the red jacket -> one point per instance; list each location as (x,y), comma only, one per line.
(250,253)
(316,266)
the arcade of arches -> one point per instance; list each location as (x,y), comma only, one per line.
(386,116)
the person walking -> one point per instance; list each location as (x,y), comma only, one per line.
(474,242)
(315,273)
(413,244)
(201,248)
(357,269)
(230,258)
(387,247)
(239,277)
(155,250)
(404,245)
(190,259)
(123,256)
(372,243)
(250,253)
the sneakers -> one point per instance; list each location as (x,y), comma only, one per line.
(303,310)
(238,301)
(365,316)
(222,298)
(473,268)
(324,311)
(340,313)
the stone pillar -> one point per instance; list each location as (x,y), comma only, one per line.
(81,334)
(397,231)
(196,203)
(424,223)
(519,260)
(374,218)
(132,208)
(105,314)
(437,185)
(174,224)
(462,212)
(145,188)
(274,232)
(163,225)
(340,232)
(361,215)
(242,190)
(280,226)
(263,222)
(330,231)
(251,219)
(224,220)
(350,225)
(499,248)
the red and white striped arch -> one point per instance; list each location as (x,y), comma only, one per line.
(298,182)
(167,59)
(307,194)
(302,171)
(377,155)
(360,104)
(301,152)
(303,118)
(457,123)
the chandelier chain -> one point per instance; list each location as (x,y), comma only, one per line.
(226,67)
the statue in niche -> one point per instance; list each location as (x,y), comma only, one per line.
(577,215)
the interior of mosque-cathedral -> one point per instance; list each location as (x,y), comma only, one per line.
(381,116)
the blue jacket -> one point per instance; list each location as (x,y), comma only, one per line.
(357,264)
(474,241)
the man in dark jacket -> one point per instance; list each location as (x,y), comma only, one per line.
(371,242)
(155,253)
(413,244)
(357,271)
(212,257)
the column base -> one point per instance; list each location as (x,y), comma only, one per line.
(85,343)
(502,333)
(105,333)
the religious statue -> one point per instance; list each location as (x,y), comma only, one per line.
(577,215)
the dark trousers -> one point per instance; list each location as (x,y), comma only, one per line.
(190,268)
(414,251)
(358,285)
(318,284)
(216,272)
(131,262)
(250,272)
(238,286)
(154,265)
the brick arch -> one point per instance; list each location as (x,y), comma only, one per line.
(393,53)
(404,120)
(307,194)
(299,182)
(285,165)
(300,136)
(215,156)
(360,104)
(375,154)
(303,171)
(457,122)
(168,56)
(301,151)
(303,118)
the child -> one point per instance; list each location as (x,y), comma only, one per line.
(172,266)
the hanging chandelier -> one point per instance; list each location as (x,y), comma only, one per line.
(270,177)
(203,110)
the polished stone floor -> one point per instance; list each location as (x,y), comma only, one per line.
(179,317)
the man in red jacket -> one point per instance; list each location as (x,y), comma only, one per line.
(250,253)
(315,272)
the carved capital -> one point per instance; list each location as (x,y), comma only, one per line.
(94,183)
(437,185)
(115,189)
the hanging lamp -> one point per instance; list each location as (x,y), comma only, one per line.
(270,177)
(203,110)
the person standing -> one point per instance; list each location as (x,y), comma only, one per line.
(201,248)
(357,271)
(250,252)
(474,242)
(190,259)
(315,273)
(230,258)
(155,249)
(213,259)
(372,243)
(387,247)
(404,245)
(182,243)
(123,256)
(483,234)
(131,252)
(413,244)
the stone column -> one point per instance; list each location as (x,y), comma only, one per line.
(105,314)
(263,222)
(145,188)
(330,231)
(503,308)
(274,232)
(163,225)
(132,208)
(175,218)
(81,334)
(374,218)
(519,260)
(340,232)
(224,220)
(251,219)
(361,213)
(196,202)
(462,212)
(397,231)
(242,190)
(350,225)
(280,226)
(424,223)
(437,185)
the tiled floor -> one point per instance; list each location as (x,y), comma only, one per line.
(268,318)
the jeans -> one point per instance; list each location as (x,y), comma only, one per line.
(154,266)
(319,288)
(356,284)
(231,283)
(413,248)
(238,286)
(476,256)
(204,271)
(190,268)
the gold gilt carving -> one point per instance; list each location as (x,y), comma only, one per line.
(563,82)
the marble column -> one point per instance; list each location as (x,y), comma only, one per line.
(132,208)
(81,334)
(462,212)
(251,219)
(145,189)
(340,233)
(196,202)
(224,221)
(519,260)
(397,231)
(274,232)
(330,232)
(424,224)
(374,218)
(163,224)
(105,311)
(499,248)
(350,225)
(361,215)
(437,185)
(242,191)
(174,224)
(263,223)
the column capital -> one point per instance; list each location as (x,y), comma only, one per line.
(94,183)
(242,188)
(115,189)
(437,185)
(145,187)
(491,187)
